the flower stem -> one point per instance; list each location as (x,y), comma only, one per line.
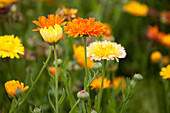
(84,109)
(101,88)
(74,106)
(56,78)
(34,83)
(86,69)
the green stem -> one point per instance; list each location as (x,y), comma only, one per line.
(101,88)
(86,69)
(92,79)
(74,106)
(42,69)
(56,79)
(84,109)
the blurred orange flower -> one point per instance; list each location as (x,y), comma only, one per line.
(52,20)
(52,70)
(156,56)
(107,35)
(165,17)
(165,60)
(4,3)
(80,56)
(96,83)
(118,81)
(82,27)
(165,72)
(166,40)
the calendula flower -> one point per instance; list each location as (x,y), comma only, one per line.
(50,28)
(12,86)
(165,17)
(118,81)
(10,46)
(84,27)
(166,40)
(136,8)
(105,50)
(165,72)
(96,83)
(107,35)
(165,60)
(153,33)
(80,56)
(156,56)
(4,3)
(52,70)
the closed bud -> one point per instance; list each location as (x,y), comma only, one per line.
(83,95)
(93,111)
(97,65)
(138,77)
(36,110)
(18,92)
(59,62)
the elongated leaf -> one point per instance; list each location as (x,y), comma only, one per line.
(62,97)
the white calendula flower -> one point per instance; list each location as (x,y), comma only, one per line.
(105,50)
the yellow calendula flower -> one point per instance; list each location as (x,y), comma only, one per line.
(12,86)
(166,40)
(118,81)
(136,8)
(165,72)
(4,3)
(105,50)
(155,56)
(80,56)
(96,83)
(10,46)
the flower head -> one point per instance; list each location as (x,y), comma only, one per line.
(10,46)
(105,50)
(166,40)
(81,27)
(165,17)
(136,8)
(155,56)
(118,81)
(107,35)
(96,83)
(4,3)
(80,56)
(165,60)
(52,70)
(12,86)
(165,72)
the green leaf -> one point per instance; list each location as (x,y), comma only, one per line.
(62,97)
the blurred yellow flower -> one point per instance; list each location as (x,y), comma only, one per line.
(105,50)
(156,56)
(10,46)
(4,3)
(165,60)
(80,56)
(165,72)
(118,81)
(12,86)
(136,8)
(166,40)
(96,83)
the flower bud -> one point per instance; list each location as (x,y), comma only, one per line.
(18,92)
(93,111)
(97,65)
(36,110)
(59,62)
(83,95)
(138,77)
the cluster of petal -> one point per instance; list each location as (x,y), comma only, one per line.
(52,35)
(118,81)
(136,8)
(96,83)
(10,46)
(52,20)
(153,33)
(4,3)
(52,70)
(165,17)
(165,72)
(156,56)
(81,27)
(105,50)
(80,56)
(166,40)
(12,86)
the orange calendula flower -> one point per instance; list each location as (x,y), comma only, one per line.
(52,70)
(105,50)
(165,60)
(12,86)
(107,35)
(81,27)
(165,72)
(117,82)
(156,56)
(166,40)
(50,28)
(4,3)
(96,83)
(80,56)
(10,46)
(136,8)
